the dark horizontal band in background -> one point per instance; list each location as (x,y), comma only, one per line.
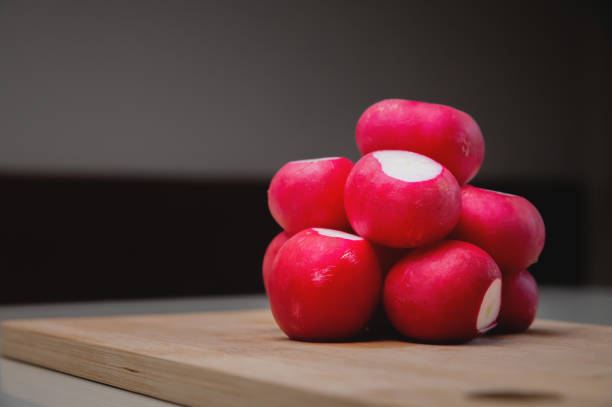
(84,238)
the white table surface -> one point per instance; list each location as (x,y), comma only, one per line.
(23,385)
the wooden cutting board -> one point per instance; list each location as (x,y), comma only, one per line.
(242,358)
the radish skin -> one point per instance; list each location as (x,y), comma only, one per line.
(506,226)
(310,193)
(449,292)
(324,285)
(401,199)
(443,133)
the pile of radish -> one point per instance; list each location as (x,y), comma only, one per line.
(400,238)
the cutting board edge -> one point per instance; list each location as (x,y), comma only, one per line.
(36,341)
(193,393)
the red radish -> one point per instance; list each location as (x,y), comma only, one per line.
(447,292)
(271,252)
(310,193)
(508,227)
(443,133)
(401,199)
(519,302)
(324,285)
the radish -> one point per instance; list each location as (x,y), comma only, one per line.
(401,199)
(310,193)
(324,285)
(271,252)
(447,292)
(506,226)
(519,302)
(443,133)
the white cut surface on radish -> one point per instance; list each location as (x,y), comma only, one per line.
(407,166)
(337,233)
(489,308)
(314,160)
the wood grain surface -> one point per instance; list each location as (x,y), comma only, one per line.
(242,358)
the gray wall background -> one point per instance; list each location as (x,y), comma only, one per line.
(237,88)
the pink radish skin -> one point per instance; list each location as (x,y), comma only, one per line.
(401,199)
(449,292)
(443,133)
(519,302)
(271,252)
(310,193)
(324,285)
(508,227)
